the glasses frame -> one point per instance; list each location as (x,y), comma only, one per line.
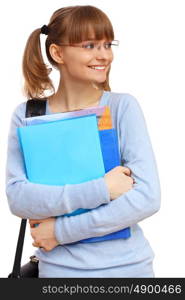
(114,43)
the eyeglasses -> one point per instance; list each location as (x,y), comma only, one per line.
(89,46)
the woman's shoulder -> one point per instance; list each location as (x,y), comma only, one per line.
(121,101)
(19,112)
(121,97)
(20,109)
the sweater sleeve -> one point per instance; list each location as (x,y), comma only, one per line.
(142,201)
(37,201)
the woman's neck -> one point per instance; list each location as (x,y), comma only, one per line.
(74,96)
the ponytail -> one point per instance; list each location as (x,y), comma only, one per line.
(35,71)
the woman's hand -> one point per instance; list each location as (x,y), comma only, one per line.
(44,234)
(119,181)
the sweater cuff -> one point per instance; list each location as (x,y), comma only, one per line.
(58,230)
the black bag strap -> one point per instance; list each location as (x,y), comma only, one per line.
(34,107)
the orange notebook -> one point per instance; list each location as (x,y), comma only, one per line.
(105,121)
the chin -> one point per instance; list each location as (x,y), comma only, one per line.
(100,80)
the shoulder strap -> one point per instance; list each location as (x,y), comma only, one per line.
(34,107)
(16,272)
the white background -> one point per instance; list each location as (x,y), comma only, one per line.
(150,64)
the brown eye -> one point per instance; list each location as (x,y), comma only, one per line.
(88,46)
(108,45)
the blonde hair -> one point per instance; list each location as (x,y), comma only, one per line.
(71,24)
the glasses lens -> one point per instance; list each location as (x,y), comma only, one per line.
(115,43)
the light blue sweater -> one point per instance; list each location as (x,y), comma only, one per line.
(118,258)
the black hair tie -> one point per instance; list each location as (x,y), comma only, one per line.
(45,29)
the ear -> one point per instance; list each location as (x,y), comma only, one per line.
(56,53)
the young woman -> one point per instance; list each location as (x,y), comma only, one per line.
(79,44)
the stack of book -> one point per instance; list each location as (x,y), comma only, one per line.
(71,148)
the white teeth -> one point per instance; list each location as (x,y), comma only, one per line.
(98,68)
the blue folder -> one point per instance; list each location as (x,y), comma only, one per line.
(62,152)
(110,148)
(39,144)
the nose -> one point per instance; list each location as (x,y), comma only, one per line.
(102,53)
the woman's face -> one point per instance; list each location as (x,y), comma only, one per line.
(87,61)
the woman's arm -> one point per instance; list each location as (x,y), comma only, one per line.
(118,181)
(37,201)
(142,201)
